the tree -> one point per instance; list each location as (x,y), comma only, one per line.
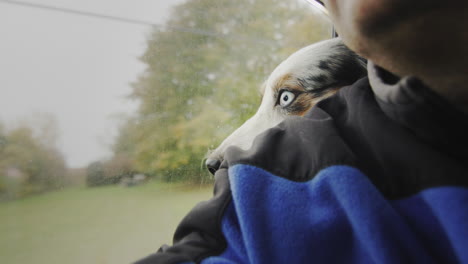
(28,164)
(199,85)
(95,174)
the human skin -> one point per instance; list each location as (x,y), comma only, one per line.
(424,38)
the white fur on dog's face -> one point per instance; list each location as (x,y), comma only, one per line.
(306,77)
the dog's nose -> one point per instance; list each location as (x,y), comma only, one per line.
(212,165)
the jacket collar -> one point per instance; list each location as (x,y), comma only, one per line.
(409,102)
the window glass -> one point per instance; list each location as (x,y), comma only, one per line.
(108,108)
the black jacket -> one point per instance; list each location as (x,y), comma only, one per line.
(369,175)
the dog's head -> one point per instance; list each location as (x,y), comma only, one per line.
(298,83)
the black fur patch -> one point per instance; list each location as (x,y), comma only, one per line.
(324,65)
(320,79)
(340,68)
(348,66)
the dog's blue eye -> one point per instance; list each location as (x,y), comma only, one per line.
(286,98)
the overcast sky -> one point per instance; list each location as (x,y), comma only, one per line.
(76,67)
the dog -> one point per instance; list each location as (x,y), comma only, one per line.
(308,76)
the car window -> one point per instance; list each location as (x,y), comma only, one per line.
(108,109)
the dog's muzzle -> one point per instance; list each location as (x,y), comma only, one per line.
(212,165)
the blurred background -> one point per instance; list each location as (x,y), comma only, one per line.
(108,108)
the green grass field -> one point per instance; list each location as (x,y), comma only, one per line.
(94,225)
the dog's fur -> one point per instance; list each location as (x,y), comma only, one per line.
(298,83)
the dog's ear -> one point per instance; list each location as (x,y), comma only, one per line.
(362,60)
(341,67)
(349,66)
